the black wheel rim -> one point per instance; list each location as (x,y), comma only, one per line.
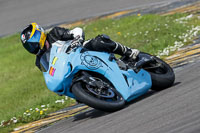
(106,92)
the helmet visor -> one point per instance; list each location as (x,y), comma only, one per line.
(32,47)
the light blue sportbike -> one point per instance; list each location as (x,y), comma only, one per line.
(99,79)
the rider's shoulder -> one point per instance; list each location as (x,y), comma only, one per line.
(58,29)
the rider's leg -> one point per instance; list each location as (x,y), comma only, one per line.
(104,43)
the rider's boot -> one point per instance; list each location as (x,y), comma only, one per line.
(125,51)
(137,56)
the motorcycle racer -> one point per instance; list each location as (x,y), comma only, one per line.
(37,42)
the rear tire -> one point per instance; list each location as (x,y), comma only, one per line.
(82,94)
(162,77)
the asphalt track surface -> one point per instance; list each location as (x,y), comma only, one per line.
(174,110)
(16,14)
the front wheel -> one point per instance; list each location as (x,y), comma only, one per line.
(105,98)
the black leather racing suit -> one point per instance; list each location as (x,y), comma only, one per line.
(99,43)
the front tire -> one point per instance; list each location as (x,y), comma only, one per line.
(82,94)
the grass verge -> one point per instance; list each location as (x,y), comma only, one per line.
(22,87)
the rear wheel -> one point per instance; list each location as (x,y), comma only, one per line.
(102,97)
(161,73)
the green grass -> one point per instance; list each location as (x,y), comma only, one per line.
(22,86)
(21,83)
(139,32)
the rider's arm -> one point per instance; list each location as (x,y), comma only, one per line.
(62,34)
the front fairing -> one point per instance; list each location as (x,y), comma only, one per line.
(63,66)
(58,67)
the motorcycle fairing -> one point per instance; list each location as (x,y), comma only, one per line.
(128,83)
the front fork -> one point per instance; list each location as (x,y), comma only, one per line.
(85,77)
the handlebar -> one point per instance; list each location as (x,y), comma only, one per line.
(77,42)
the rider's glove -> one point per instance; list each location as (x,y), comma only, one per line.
(75,43)
(78,34)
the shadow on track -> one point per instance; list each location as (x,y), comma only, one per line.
(148,94)
(93,113)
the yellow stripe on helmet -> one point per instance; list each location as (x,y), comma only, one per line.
(42,40)
(33,29)
(43,36)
